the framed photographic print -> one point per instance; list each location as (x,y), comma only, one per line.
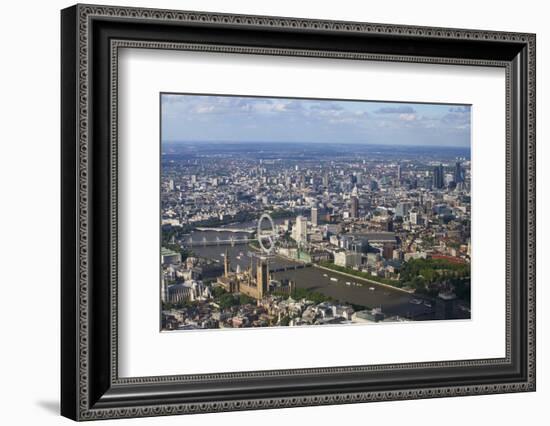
(263,212)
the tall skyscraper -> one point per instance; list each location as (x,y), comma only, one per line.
(459,177)
(354,208)
(354,203)
(325,180)
(299,232)
(399,173)
(314,216)
(438,177)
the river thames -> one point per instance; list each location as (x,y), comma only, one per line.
(344,288)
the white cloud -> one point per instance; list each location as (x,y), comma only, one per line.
(407,117)
(205,109)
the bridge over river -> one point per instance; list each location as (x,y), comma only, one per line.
(190,243)
(232,230)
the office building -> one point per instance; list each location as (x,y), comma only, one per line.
(402,209)
(438,177)
(299,231)
(314,216)
(354,207)
(458,177)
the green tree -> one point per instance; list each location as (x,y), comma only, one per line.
(285,321)
(245,300)
(227,300)
(218,291)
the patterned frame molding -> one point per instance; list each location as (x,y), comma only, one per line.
(116,45)
(83,401)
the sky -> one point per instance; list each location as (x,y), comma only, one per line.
(257,119)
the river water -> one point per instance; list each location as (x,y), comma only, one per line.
(341,287)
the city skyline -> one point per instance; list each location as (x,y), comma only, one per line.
(230,119)
(318,228)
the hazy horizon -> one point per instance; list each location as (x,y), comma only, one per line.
(242,119)
(293,142)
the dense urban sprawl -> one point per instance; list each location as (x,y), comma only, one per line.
(361,234)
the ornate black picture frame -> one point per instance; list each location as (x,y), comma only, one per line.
(91,36)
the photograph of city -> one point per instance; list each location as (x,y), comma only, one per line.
(286,212)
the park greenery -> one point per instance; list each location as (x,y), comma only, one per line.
(427,275)
(431,270)
(226,300)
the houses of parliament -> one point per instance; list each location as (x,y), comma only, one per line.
(245,282)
